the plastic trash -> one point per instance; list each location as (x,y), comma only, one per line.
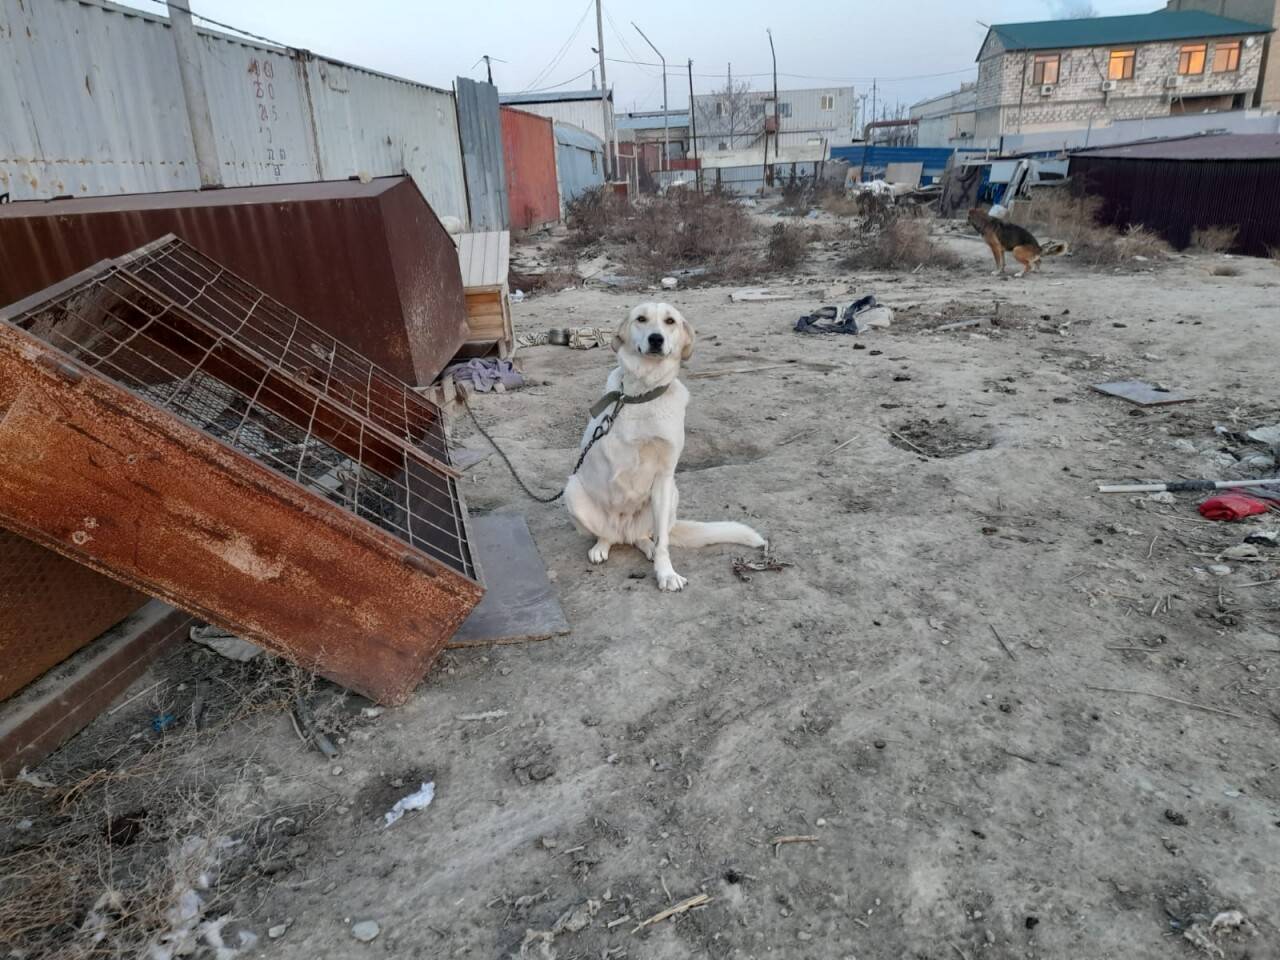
(418,800)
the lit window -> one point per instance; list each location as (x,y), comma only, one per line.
(1120,66)
(1045,68)
(1191,59)
(827,102)
(1226,57)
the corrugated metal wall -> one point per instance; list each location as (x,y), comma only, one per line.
(91,103)
(579,161)
(480,132)
(1173,197)
(529,152)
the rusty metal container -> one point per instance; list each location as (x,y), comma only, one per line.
(367,262)
(50,607)
(166,423)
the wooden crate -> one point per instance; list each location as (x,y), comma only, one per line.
(483,259)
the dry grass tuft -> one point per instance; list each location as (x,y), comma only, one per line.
(145,844)
(683,228)
(902,244)
(1218,239)
(1053,213)
(788,244)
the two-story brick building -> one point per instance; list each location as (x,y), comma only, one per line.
(1065,74)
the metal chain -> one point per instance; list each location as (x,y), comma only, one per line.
(602,429)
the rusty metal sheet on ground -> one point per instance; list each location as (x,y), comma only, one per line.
(1142,393)
(520,603)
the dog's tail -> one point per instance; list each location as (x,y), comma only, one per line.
(689,533)
(1053,249)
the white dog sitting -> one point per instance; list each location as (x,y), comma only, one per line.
(625,489)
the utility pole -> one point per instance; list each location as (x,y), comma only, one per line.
(666,116)
(729,101)
(187,45)
(873,100)
(488,67)
(777,140)
(604,93)
(693,132)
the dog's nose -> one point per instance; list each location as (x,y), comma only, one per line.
(655,341)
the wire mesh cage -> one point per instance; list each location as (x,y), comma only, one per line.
(199,342)
(166,423)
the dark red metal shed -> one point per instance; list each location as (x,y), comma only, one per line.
(529,154)
(368,263)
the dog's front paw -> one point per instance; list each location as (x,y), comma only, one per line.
(996,273)
(671,581)
(599,553)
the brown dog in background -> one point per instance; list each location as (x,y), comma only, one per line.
(1001,236)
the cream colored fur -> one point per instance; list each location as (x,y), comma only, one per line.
(625,492)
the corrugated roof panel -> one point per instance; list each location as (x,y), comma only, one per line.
(1240,146)
(551,96)
(574,136)
(1135,28)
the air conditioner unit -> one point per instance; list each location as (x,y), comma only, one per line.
(1108,86)
(1171,82)
(1046,90)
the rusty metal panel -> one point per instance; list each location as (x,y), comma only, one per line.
(529,153)
(165,423)
(367,262)
(50,607)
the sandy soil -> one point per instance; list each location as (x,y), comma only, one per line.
(919,696)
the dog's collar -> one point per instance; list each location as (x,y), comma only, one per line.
(619,398)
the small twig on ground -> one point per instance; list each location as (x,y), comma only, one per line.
(999,639)
(663,881)
(114,710)
(308,721)
(1259,583)
(699,900)
(777,842)
(832,452)
(963,955)
(1161,696)
(797,436)
(613,923)
(741,566)
(1018,756)
(1151,548)
(487,715)
(862,923)
(909,444)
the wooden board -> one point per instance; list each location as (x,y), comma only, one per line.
(520,604)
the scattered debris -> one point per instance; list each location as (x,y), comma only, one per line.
(778,842)
(225,644)
(699,900)
(1228,921)
(758,294)
(485,375)
(854,317)
(1234,506)
(487,715)
(741,565)
(574,920)
(1142,393)
(365,930)
(420,799)
(670,283)
(1161,696)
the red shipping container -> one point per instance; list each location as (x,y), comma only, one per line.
(529,154)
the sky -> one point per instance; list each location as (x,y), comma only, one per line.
(914,49)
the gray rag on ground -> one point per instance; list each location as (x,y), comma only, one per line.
(486,375)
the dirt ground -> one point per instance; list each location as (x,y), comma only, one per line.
(1001,715)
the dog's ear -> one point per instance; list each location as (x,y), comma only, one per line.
(690,335)
(620,335)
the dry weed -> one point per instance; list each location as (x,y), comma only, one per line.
(1053,213)
(903,244)
(150,842)
(840,204)
(788,244)
(1217,239)
(593,215)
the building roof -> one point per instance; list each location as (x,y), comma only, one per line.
(1105,31)
(550,96)
(1221,146)
(572,135)
(651,120)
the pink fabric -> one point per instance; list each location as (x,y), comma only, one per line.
(1232,506)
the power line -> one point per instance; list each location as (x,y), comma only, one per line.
(224,26)
(805,76)
(563,83)
(564,48)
